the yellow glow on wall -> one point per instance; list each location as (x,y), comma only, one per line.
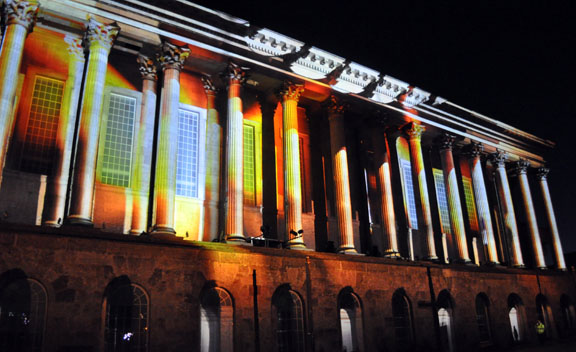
(192,91)
(116,79)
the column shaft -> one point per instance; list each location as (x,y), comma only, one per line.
(414,132)
(482,205)
(292,182)
(101,38)
(508,210)
(19,17)
(142,164)
(341,178)
(57,187)
(521,169)
(557,245)
(235,157)
(390,240)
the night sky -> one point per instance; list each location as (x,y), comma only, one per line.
(510,60)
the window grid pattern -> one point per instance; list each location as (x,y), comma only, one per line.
(470,205)
(409,188)
(249,165)
(117,151)
(39,147)
(442,201)
(127,324)
(290,331)
(188,150)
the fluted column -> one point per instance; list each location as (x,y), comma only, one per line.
(341,178)
(499,159)
(57,187)
(19,17)
(482,205)
(414,132)
(171,59)
(453,198)
(521,171)
(289,95)
(142,163)
(557,245)
(235,156)
(100,38)
(213,139)
(390,240)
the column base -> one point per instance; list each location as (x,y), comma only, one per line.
(162,230)
(80,221)
(136,232)
(432,258)
(463,261)
(519,266)
(391,254)
(236,239)
(493,264)
(348,250)
(52,223)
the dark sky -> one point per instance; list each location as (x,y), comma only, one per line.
(510,60)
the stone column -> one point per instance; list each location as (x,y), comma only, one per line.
(235,156)
(100,38)
(19,17)
(57,187)
(453,198)
(521,171)
(414,132)
(499,158)
(289,95)
(171,59)
(390,240)
(341,178)
(142,163)
(213,152)
(557,245)
(482,205)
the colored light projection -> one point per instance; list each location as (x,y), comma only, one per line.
(403,153)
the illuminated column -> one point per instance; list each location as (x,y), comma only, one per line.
(558,253)
(20,17)
(142,163)
(453,198)
(289,95)
(499,159)
(341,178)
(390,240)
(100,38)
(171,59)
(482,205)
(414,132)
(58,183)
(235,156)
(213,139)
(521,171)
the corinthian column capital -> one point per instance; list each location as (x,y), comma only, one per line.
(75,47)
(475,150)
(414,130)
(172,56)
(147,67)
(290,91)
(334,105)
(521,166)
(23,13)
(446,141)
(499,158)
(101,34)
(235,73)
(209,87)
(542,173)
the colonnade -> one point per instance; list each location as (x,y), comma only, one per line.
(93,59)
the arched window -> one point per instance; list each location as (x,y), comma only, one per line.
(289,320)
(445,312)
(402,312)
(126,324)
(544,313)
(516,316)
(568,313)
(350,321)
(483,318)
(216,320)
(22,313)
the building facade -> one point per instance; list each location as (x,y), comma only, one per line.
(177,178)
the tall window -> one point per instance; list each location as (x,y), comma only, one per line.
(568,313)
(249,165)
(483,319)
(39,149)
(402,320)
(188,153)
(216,321)
(442,201)
(406,169)
(119,135)
(126,325)
(470,203)
(445,311)
(515,315)
(22,315)
(350,321)
(290,320)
